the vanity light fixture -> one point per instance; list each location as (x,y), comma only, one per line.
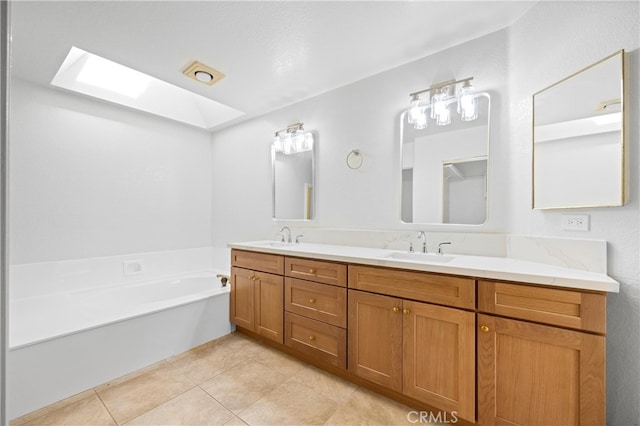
(440,96)
(293,139)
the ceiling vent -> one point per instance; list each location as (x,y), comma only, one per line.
(203,73)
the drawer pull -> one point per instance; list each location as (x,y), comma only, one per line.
(312,300)
(484,328)
(252,277)
(406,311)
(312,338)
(396,309)
(312,271)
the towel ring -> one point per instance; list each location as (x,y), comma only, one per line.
(354,159)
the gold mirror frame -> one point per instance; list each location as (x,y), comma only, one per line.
(585,111)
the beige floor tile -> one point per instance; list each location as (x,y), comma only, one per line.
(280,362)
(87,411)
(245,345)
(53,407)
(193,407)
(129,399)
(326,384)
(368,408)
(200,366)
(235,421)
(291,403)
(242,385)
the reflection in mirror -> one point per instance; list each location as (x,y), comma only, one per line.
(293,180)
(444,169)
(578,141)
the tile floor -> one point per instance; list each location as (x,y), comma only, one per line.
(230,381)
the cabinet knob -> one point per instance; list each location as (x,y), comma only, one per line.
(312,300)
(312,271)
(312,338)
(484,328)
(252,277)
(406,311)
(395,309)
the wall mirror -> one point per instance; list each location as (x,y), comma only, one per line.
(293,171)
(444,169)
(578,139)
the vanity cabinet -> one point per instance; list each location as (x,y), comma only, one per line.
(256,300)
(422,350)
(492,352)
(315,303)
(541,355)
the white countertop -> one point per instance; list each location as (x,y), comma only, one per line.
(500,268)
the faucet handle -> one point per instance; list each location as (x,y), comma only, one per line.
(298,238)
(442,244)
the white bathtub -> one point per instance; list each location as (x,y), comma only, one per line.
(62,344)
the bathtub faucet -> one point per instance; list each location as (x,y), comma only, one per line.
(288,234)
(223,279)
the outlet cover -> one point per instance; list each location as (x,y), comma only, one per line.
(132,267)
(575,222)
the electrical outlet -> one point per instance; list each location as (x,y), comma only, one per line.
(575,222)
(132,267)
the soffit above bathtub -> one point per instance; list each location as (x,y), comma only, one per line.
(273,53)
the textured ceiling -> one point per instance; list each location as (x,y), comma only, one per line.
(273,53)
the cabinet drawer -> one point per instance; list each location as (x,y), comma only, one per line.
(265,262)
(317,339)
(316,270)
(422,286)
(566,308)
(321,302)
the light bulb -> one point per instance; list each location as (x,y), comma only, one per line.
(440,110)
(287,143)
(417,110)
(421,122)
(277,143)
(298,140)
(308,141)
(438,104)
(443,117)
(467,103)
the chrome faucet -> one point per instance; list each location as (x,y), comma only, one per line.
(440,246)
(422,235)
(288,234)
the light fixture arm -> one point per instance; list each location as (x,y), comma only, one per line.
(440,85)
(291,128)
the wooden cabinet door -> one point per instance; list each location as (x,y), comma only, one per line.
(269,306)
(242,306)
(439,357)
(375,338)
(532,374)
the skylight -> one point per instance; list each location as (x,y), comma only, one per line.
(92,75)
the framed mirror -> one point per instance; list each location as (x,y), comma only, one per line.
(578,139)
(444,169)
(293,181)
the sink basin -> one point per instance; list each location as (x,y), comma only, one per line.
(420,257)
(276,244)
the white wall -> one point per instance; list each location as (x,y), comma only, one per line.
(91,179)
(550,42)
(365,116)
